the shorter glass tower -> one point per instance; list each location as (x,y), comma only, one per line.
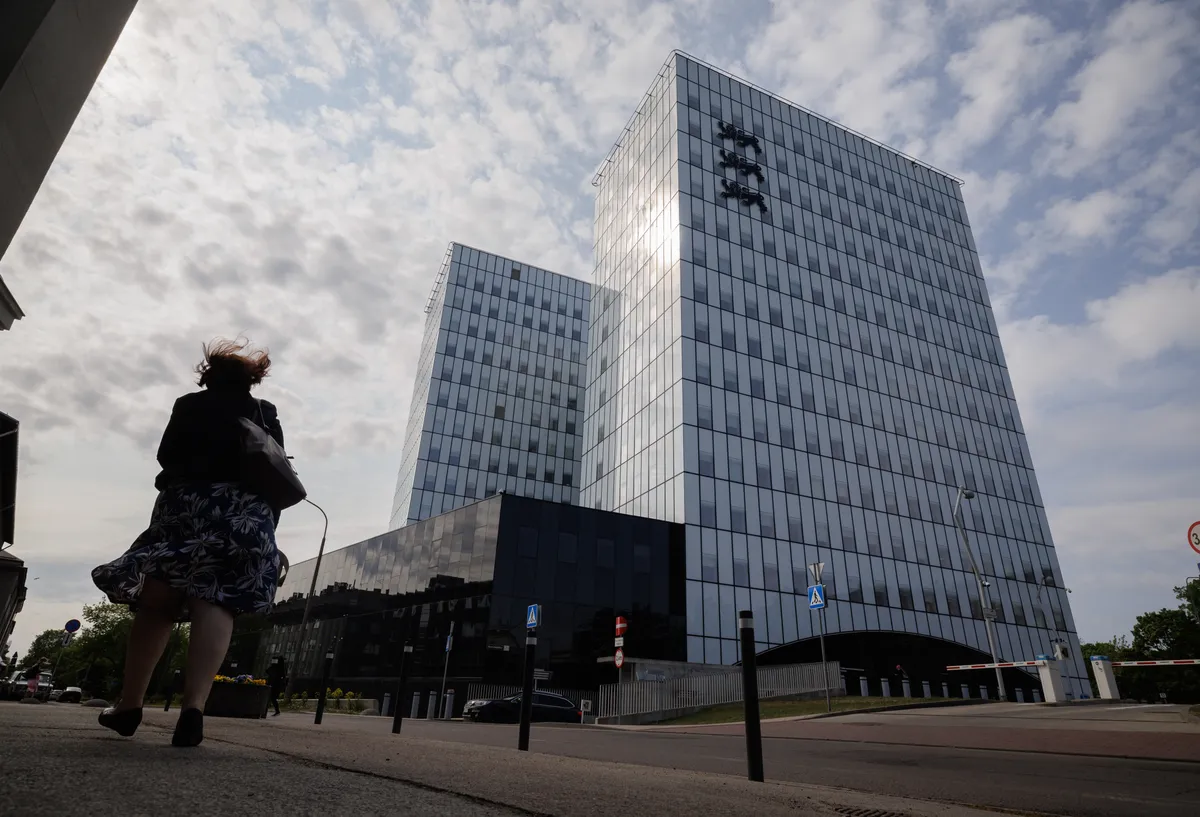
(498,391)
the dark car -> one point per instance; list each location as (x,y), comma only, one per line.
(547,708)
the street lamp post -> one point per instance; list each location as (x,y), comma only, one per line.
(312,589)
(989,615)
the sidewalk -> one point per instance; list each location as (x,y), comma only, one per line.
(55,759)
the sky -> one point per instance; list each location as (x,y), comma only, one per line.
(294,170)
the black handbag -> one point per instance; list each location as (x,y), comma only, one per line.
(266,469)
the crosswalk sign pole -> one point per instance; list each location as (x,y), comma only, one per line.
(816,594)
(824,666)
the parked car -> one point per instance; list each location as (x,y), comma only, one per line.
(71,695)
(547,708)
(17,686)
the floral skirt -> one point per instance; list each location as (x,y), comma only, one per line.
(213,542)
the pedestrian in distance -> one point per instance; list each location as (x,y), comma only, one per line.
(277,679)
(209,552)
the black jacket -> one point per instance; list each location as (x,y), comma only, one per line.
(202,442)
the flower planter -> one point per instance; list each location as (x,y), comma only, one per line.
(237,701)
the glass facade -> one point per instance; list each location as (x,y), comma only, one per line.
(793,352)
(498,391)
(472,573)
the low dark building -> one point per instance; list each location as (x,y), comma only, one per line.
(12,570)
(471,574)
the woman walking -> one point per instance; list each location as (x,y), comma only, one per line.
(209,552)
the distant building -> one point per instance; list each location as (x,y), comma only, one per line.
(12,569)
(471,573)
(498,390)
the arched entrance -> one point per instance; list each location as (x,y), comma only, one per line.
(876,655)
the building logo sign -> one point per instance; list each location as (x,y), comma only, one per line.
(740,137)
(745,195)
(742,165)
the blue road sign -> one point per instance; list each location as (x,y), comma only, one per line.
(449,641)
(72,625)
(533,616)
(816,597)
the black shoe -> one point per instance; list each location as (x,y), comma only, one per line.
(124,722)
(189,730)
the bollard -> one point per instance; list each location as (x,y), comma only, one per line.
(415,712)
(171,690)
(1020,695)
(945,689)
(448,712)
(753,728)
(1037,696)
(885,686)
(385,707)
(863,687)
(431,705)
(907,687)
(966,691)
(398,716)
(983,694)
(926,690)
(527,690)
(324,687)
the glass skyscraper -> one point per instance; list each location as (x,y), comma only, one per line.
(792,351)
(498,392)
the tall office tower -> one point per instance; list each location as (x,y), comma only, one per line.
(793,352)
(498,391)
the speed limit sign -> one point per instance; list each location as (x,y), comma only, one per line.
(1194,536)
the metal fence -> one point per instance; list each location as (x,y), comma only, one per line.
(493,691)
(647,697)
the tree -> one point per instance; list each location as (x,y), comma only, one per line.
(95,660)
(1162,634)
(44,650)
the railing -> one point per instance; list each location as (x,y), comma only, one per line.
(694,691)
(489,692)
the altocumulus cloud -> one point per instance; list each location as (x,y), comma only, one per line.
(293,171)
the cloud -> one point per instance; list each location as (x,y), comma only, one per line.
(1006,62)
(1141,322)
(1096,216)
(1142,52)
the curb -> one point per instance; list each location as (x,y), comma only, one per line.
(892,708)
(816,716)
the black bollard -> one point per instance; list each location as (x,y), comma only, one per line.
(527,691)
(172,685)
(324,686)
(398,716)
(754,758)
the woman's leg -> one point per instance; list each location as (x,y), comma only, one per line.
(158,608)
(209,640)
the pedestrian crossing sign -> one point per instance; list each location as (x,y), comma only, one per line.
(816,597)
(533,615)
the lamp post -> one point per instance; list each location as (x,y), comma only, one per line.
(989,615)
(312,589)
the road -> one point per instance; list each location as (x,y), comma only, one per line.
(845,755)
(287,765)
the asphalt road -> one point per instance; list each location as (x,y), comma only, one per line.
(1022,781)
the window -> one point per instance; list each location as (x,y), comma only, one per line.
(499,412)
